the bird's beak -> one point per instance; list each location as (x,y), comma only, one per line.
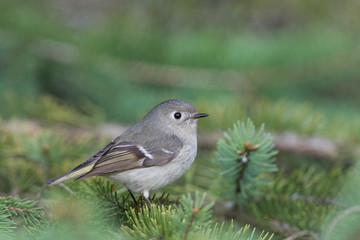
(199,115)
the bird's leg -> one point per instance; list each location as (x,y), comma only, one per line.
(132,196)
(146,196)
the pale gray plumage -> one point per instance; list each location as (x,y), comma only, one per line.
(151,154)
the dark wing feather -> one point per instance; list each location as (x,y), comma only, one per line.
(96,156)
(160,157)
(125,156)
(83,168)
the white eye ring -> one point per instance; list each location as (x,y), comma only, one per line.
(177,115)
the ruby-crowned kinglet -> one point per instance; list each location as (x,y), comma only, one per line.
(151,154)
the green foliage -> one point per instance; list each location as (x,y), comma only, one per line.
(68,230)
(343,222)
(23,208)
(16,211)
(300,201)
(91,211)
(244,159)
(195,210)
(191,219)
(52,110)
(284,204)
(79,217)
(282,115)
(102,66)
(6,224)
(43,149)
(243,233)
(168,222)
(152,222)
(107,201)
(294,66)
(30,158)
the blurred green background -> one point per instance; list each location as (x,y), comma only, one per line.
(113,60)
(293,65)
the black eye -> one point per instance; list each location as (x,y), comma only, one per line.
(177,115)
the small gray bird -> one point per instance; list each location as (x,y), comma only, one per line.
(151,154)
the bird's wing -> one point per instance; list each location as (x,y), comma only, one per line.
(83,168)
(125,156)
(119,156)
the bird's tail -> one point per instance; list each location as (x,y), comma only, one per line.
(77,172)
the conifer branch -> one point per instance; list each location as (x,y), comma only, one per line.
(7,226)
(194,212)
(21,207)
(243,176)
(304,195)
(16,209)
(244,161)
(285,141)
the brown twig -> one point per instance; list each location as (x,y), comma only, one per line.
(301,234)
(194,212)
(134,199)
(248,148)
(241,173)
(285,141)
(15,209)
(66,188)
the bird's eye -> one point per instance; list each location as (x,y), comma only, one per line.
(177,115)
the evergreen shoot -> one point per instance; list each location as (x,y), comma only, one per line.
(14,212)
(244,233)
(190,220)
(244,159)
(299,202)
(24,209)
(7,226)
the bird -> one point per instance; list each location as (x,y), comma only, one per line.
(151,154)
